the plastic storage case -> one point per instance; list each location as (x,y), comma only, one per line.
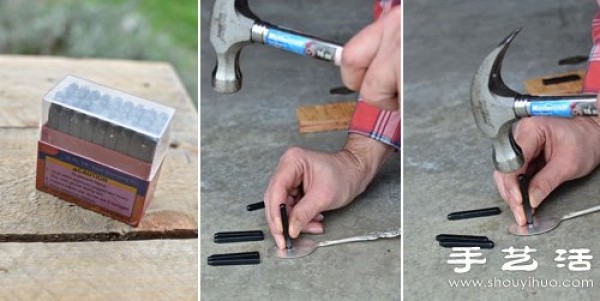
(100,148)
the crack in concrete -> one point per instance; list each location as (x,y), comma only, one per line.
(109,236)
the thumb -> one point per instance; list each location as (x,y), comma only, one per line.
(546,180)
(307,209)
(358,54)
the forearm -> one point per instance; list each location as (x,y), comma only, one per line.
(368,155)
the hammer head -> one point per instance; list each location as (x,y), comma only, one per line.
(230,30)
(493,107)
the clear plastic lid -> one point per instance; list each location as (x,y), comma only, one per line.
(113,119)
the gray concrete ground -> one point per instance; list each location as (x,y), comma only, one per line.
(243,136)
(448,162)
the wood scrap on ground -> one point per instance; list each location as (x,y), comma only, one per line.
(566,83)
(326,117)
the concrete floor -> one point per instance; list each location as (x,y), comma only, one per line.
(243,136)
(448,162)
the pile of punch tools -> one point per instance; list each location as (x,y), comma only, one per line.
(456,240)
(246,258)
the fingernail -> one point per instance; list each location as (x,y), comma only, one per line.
(520,219)
(279,241)
(319,218)
(536,197)
(517,216)
(515,193)
(295,228)
(314,229)
(278,225)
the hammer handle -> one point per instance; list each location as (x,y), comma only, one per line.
(297,42)
(556,106)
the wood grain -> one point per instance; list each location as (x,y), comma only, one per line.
(131,270)
(327,117)
(24,210)
(535,86)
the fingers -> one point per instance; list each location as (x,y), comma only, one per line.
(306,210)
(313,227)
(531,140)
(279,240)
(379,86)
(282,188)
(358,54)
(530,137)
(547,179)
(508,187)
(380,83)
(513,203)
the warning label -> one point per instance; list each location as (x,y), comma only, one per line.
(88,186)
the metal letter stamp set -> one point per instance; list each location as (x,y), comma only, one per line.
(101,148)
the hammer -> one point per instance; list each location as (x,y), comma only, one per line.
(233,25)
(496,107)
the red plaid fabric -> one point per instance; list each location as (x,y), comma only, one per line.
(368,120)
(381,125)
(591,82)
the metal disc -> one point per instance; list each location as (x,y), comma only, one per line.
(300,248)
(540,226)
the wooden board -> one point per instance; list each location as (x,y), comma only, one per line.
(535,86)
(27,214)
(125,270)
(327,117)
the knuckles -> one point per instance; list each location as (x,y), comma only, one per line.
(303,217)
(292,154)
(351,61)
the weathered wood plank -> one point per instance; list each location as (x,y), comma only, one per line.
(131,270)
(24,210)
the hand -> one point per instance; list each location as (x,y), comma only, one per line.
(311,182)
(555,150)
(371,61)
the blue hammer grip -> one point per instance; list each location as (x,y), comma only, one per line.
(562,106)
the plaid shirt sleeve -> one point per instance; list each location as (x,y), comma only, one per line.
(591,82)
(368,120)
(381,125)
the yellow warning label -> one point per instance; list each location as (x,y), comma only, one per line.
(92,175)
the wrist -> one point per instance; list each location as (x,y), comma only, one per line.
(367,154)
